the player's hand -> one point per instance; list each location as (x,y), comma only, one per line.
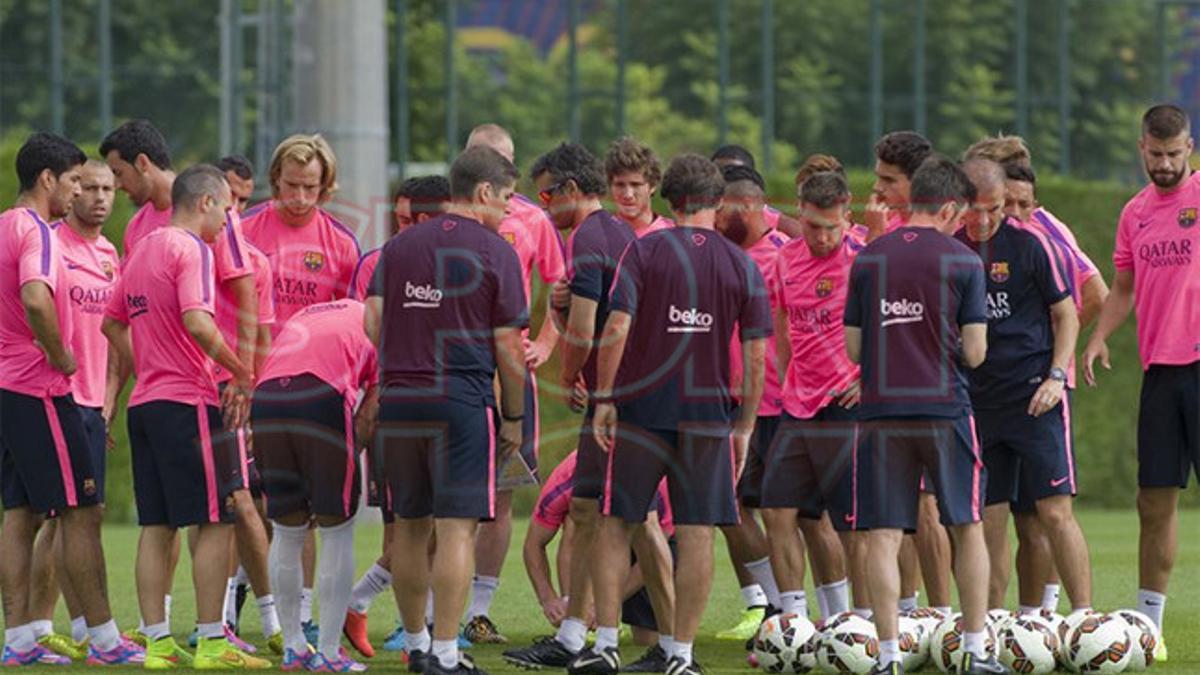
(555,610)
(1096,349)
(875,216)
(1046,397)
(579,395)
(65,363)
(604,425)
(536,353)
(851,395)
(366,421)
(510,438)
(235,405)
(560,295)
(741,448)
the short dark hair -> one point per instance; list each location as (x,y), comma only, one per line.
(817,163)
(1020,172)
(692,183)
(571,161)
(1165,121)
(825,189)
(480,164)
(939,181)
(904,149)
(137,137)
(734,152)
(627,155)
(426,194)
(43,151)
(195,182)
(732,173)
(238,164)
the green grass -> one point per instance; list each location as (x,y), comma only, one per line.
(1112,537)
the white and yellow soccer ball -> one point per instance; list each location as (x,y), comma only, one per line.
(1143,639)
(849,645)
(784,644)
(946,644)
(1028,645)
(1099,643)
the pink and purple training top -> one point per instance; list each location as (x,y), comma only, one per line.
(1158,239)
(326,340)
(29,252)
(554,501)
(310,264)
(659,223)
(812,293)
(227,310)
(529,230)
(90,271)
(146,220)
(169,274)
(360,282)
(763,253)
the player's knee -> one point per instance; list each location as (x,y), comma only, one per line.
(1054,513)
(584,513)
(85,517)
(780,520)
(1156,505)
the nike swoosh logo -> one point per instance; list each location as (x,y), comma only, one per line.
(1153,603)
(1059,481)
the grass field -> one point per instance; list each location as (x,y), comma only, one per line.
(1112,536)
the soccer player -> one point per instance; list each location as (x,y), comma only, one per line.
(305,435)
(533,237)
(551,514)
(736,155)
(570,182)
(447,307)
(1158,278)
(807,470)
(38,413)
(633,173)
(916,318)
(186,468)
(1020,394)
(240,174)
(664,408)
(417,199)
(138,156)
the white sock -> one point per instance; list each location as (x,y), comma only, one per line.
(211,631)
(944,611)
(793,602)
(754,596)
(606,636)
(1050,597)
(287,578)
(889,652)
(267,615)
(167,607)
(241,577)
(683,650)
(335,578)
(446,652)
(1152,604)
(482,590)
(156,631)
(306,598)
(822,604)
(229,609)
(375,581)
(19,639)
(974,643)
(41,628)
(837,597)
(571,634)
(105,637)
(908,604)
(765,577)
(864,612)
(667,644)
(429,609)
(418,642)
(1028,609)
(79,629)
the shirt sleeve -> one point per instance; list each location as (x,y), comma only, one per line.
(972,306)
(1123,249)
(510,308)
(116,309)
(38,256)
(377,283)
(553,503)
(194,280)
(232,261)
(627,282)
(755,320)
(853,315)
(1047,270)
(360,281)
(588,260)
(350,255)
(549,249)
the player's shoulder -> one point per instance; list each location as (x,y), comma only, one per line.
(257,211)
(341,231)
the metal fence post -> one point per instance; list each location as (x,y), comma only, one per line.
(768,82)
(104,46)
(451,20)
(1064,86)
(722,71)
(876,77)
(1021,17)
(622,48)
(401,103)
(573,70)
(919,68)
(57,113)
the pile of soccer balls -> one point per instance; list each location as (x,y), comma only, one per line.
(1030,644)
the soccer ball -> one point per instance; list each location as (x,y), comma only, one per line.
(914,644)
(849,645)
(1098,644)
(1028,645)
(1064,627)
(784,644)
(946,644)
(1143,639)
(928,617)
(999,618)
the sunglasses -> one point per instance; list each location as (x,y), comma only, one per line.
(548,194)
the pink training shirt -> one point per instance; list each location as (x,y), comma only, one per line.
(361,281)
(310,264)
(146,220)
(1158,239)
(90,271)
(227,311)
(554,501)
(529,230)
(659,223)
(170,273)
(771,216)
(326,340)
(763,253)
(29,252)
(812,291)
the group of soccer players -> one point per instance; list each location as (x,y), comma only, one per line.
(881,394)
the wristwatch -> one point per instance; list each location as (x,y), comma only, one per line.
(1057,374)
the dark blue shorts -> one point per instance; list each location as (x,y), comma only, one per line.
(1169,426)
(698,462)
(438,457)
(97,438)
(185,465)
(46,460)
(893,453)
(590,463)
(1027,458)
(304,438)
(522,469)
(811,466)
(750,485)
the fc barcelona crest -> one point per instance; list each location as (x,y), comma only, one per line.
(1187,217)
(107,268)
(999,272)
(314,261)
(824,287)
(510,237)
(89,487)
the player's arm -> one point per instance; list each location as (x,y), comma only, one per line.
(577,339)
(974,339)
(367,417)
(783,343)
(371,319)
(1113,312)
(562,559)
(115,376)
(754,368)
(262,348)
(616,332)
(1092,296)
(543,345)
(203,329)
(510,366)
(853,336)
(38,300)
(1064,322)
(789,226)
(117,334)
(244,296)
(537,566)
